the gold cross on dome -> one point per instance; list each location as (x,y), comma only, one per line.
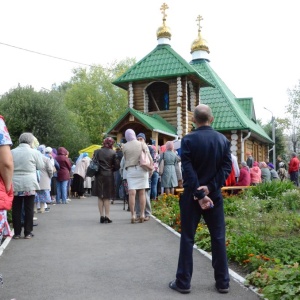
(199,19)
(163,9)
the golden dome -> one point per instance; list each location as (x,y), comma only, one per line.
(199,43)
(164,31)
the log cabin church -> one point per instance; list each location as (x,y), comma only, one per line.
(163,90)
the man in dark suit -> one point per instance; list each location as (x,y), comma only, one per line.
(206,163)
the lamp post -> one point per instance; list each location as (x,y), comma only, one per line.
(273,136)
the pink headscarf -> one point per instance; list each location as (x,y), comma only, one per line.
(170,145)
(130,135)
(263,165)
(255,164)
(108,142)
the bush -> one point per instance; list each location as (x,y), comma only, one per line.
(271,189)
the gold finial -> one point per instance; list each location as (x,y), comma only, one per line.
(199,19)
(163,9)
(199,43)
(163,31)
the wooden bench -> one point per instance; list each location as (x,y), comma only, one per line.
(230,189)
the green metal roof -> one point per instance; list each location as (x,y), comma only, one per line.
(230,113)
(162,62)
(152,122)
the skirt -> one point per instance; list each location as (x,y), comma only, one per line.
(103,186)
(42,196)
(53,186)
(137,178)
(4,226)
(77,185)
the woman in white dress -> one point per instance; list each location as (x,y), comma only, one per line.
(137,177)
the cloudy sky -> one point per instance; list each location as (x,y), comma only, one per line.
(254,45)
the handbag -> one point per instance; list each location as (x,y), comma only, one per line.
(161,166)
(145,162)
(6,198)
(92,169)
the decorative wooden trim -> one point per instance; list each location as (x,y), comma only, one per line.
(179,112)
(131,95)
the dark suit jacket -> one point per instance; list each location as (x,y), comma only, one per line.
(206,160)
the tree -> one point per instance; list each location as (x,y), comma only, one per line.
(43,114)
(280,145)
(94,100)
(293,109)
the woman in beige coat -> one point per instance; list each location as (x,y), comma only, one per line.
(137,177)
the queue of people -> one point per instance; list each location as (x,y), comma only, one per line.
(262,172)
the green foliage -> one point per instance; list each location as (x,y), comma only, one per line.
(95,102)
(166,208)
(279,282)
(270,189)
(279,137)
(202,238)
(43,114)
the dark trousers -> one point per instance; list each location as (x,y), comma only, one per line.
(294,177)
(154,182)
(28,202)
(190,216)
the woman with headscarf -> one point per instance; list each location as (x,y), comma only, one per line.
(49,152)
(81,166)
(255,174)
(265,172)
(42,196)
(27,160)
(137,177)
(169,178)
(63,175)
(103,186)
(244,178)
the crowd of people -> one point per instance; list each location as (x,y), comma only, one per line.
(251,172)
(40,176)
(121,175)
(34,176)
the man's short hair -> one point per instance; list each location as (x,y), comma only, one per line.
(202,114)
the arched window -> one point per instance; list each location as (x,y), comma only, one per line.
(158,95)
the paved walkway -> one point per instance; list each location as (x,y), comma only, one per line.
(73,256)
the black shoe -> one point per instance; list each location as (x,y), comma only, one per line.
(222,290)
(102,219)
(35,224)
(174,287)
(107,220)
(16,237)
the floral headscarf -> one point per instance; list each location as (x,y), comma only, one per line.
(130,135)
(108,142)
(170,145)
(263,165)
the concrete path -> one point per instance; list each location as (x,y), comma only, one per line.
(74,257)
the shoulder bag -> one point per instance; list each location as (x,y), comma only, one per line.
(93,168)
(145,161)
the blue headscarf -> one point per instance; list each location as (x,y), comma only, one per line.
(81,156)
(42,149)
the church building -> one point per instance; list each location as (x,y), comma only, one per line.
(163,90)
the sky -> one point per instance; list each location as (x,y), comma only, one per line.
(254,45)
